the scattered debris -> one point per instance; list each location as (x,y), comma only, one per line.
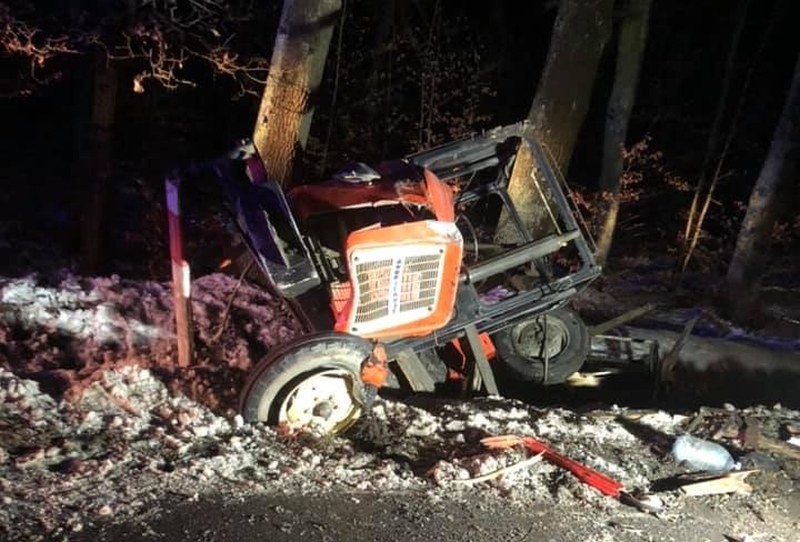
(668,363)
(643,501)
(732,482)
(750,434)
(701,455)
(604,484)
(775,446)
(792,432)
(502,471)
(599,481)
(759,461)
(792,429)
(138,428)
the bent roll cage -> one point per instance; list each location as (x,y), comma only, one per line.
(286,256)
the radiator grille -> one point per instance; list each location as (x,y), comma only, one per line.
(419,282)
(398,288)
(373,290)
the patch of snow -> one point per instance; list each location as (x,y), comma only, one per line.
(71,310)
(137,424)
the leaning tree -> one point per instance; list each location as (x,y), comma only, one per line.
(780,166)
(295,73)
(580,33)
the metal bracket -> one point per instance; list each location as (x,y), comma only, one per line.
(484,370)
(418,377)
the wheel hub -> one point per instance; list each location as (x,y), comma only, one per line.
(540,337)
(322,402)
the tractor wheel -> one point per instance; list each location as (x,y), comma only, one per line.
(560,335)
(312,383)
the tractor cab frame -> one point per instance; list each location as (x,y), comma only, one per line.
(418,254)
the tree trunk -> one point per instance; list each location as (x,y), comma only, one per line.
(298,60)
(750,255)
(580,33)
(95,161)
(630,47)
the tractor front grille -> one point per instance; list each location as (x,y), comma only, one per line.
(397,288)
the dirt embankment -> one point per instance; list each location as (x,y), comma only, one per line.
(99,428)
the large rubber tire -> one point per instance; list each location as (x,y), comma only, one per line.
(282,370)
(568,345)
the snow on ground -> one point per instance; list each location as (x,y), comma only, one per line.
(96,420)
(64,331)
(128,439)
(77,312)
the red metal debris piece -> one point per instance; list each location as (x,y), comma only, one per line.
(599,481)
(375,369)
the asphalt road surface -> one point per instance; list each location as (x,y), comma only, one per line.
(410,517)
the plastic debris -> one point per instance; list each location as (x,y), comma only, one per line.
(759,460)
(702,455)
(732,482)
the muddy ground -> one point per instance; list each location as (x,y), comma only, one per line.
(103,437)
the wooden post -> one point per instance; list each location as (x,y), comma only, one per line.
(181,274)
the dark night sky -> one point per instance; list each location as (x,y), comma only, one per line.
(680,84)
(681,75)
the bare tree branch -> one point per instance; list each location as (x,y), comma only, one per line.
(163,35)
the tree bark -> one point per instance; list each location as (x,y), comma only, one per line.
(630,48)
(95,161)
(780,166)
(298,60)
(580,32)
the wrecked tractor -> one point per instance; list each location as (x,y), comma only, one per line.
(418,271)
